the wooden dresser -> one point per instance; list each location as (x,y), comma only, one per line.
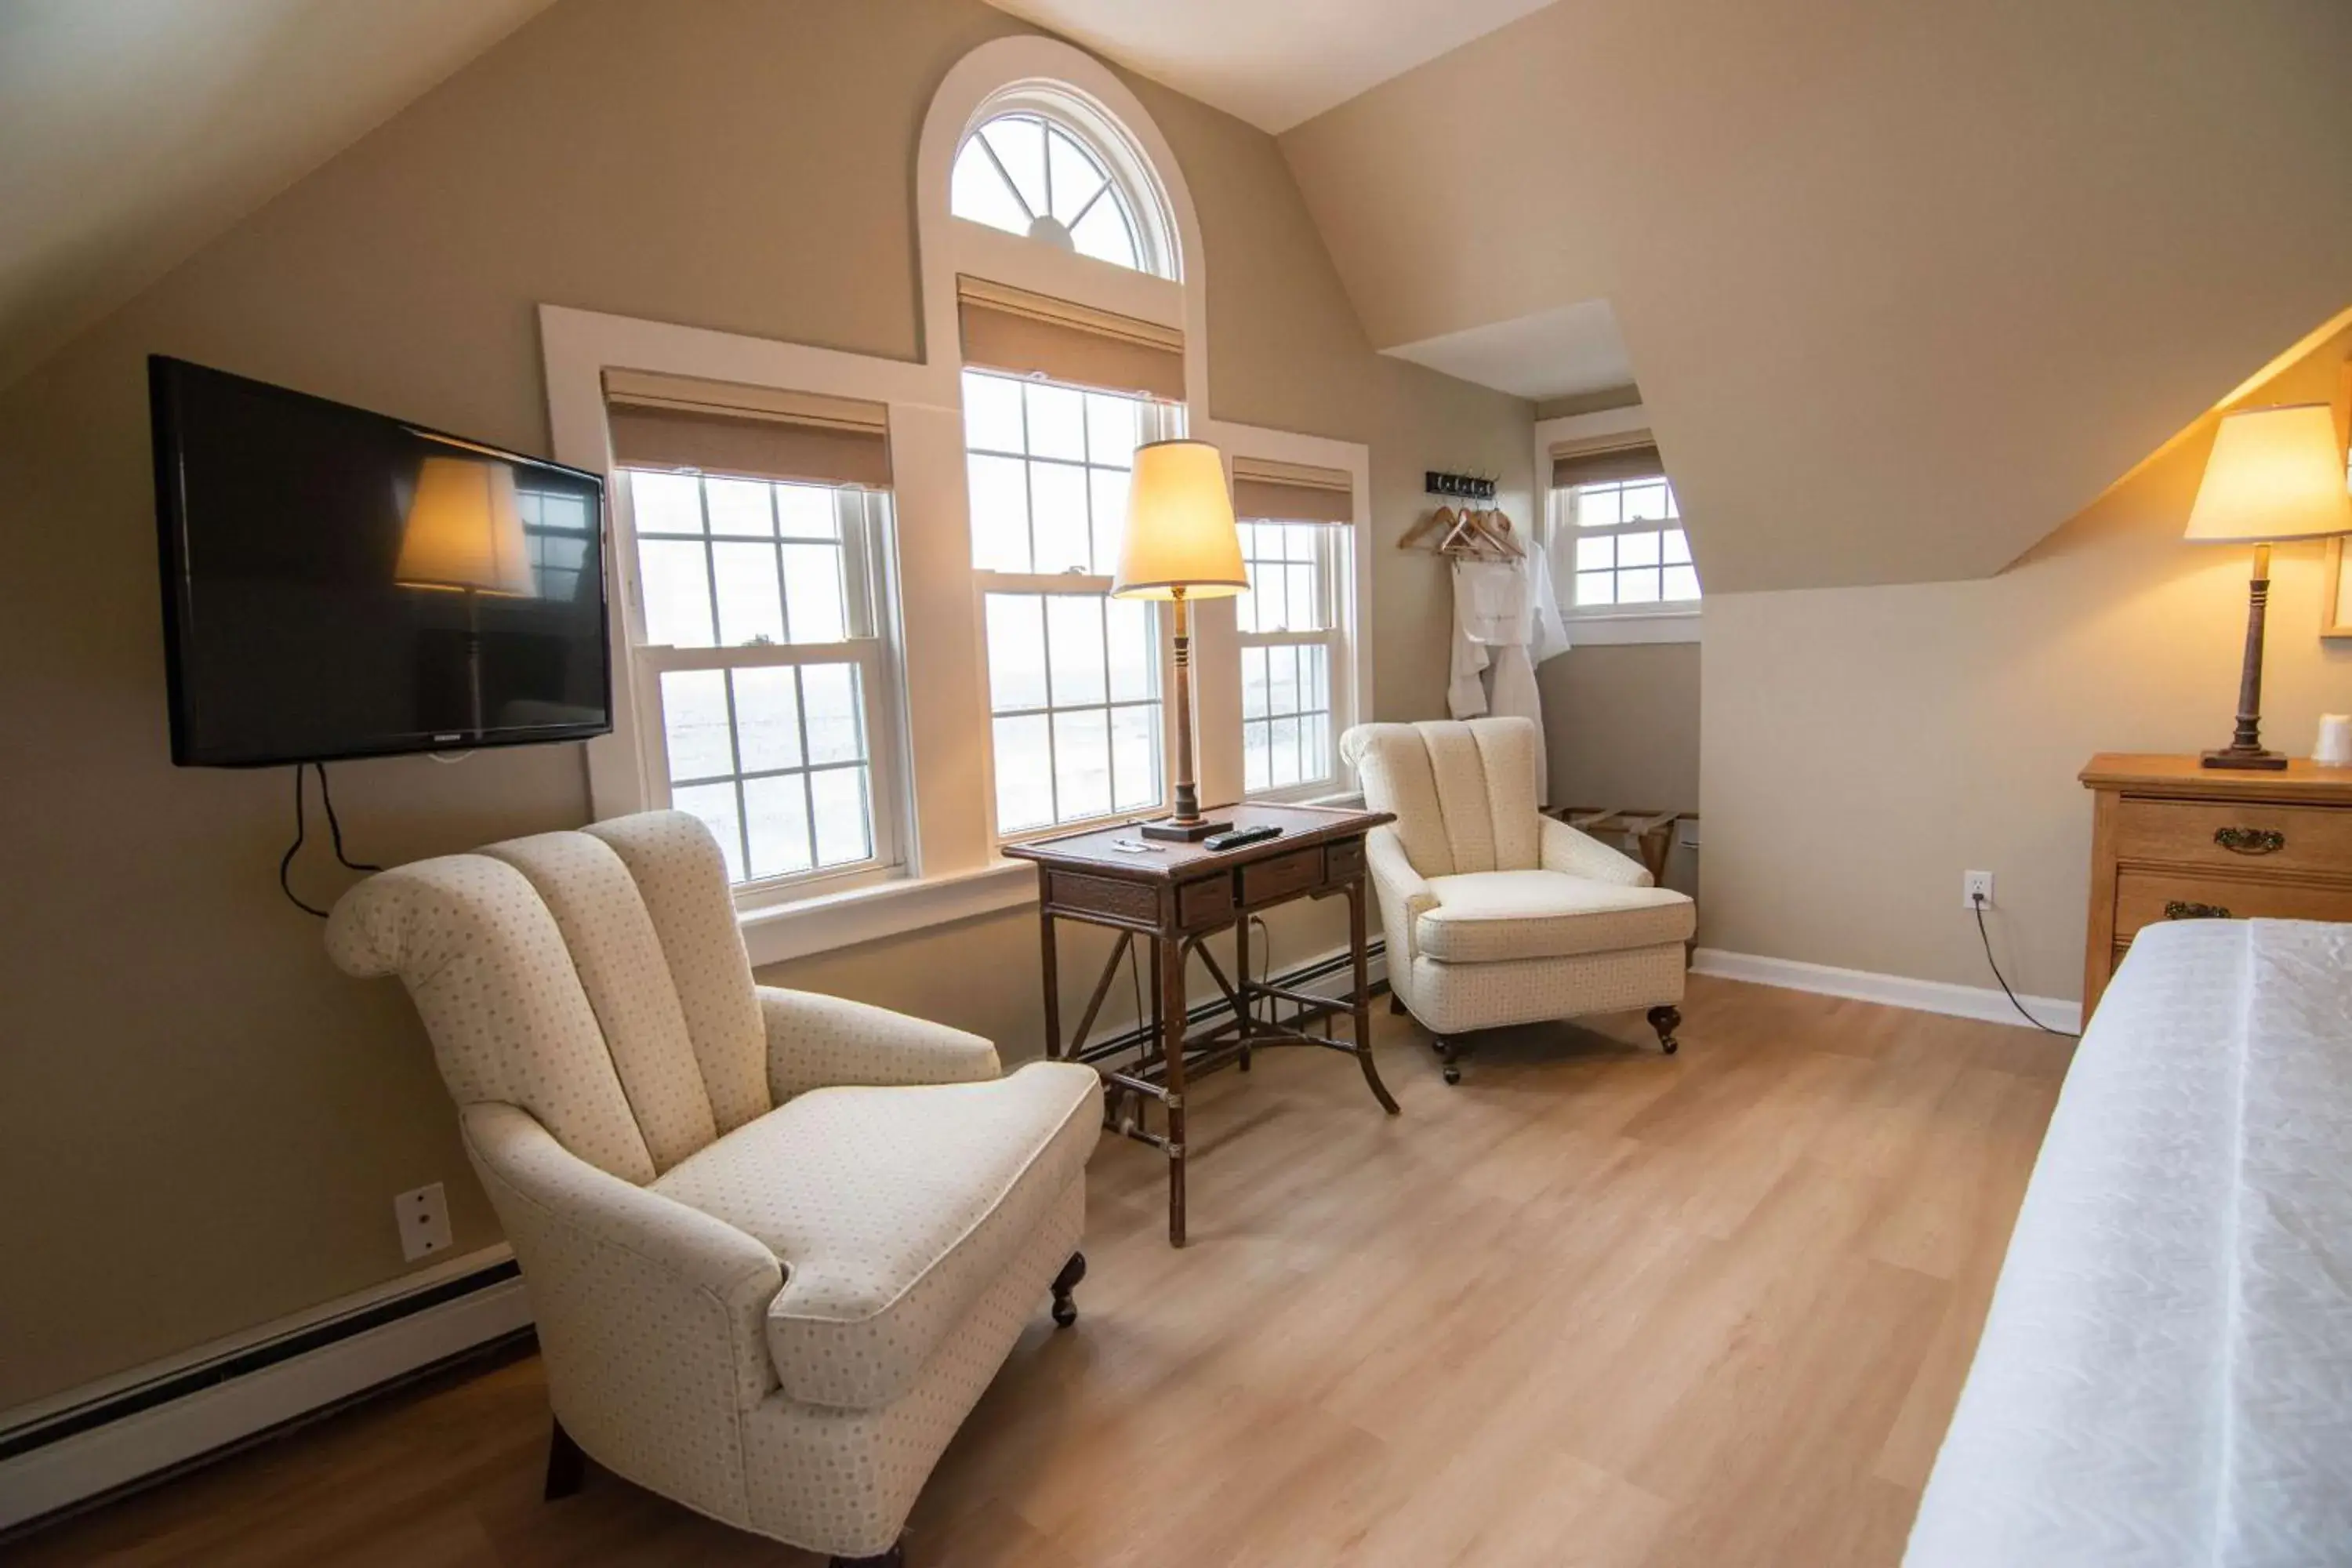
(2173,840)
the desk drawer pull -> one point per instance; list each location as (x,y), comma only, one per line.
(2184,909)
(2250,840)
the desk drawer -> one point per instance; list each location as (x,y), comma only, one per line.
(1281,876)
(2149,898)
(1207,902)
(2225,836)
(1343,860)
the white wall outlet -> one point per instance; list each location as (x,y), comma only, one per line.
(1976,889)
(424,1217)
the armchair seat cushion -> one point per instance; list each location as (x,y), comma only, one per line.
(892,1210)
(1487,917)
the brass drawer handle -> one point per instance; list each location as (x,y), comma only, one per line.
(2250,840)
(2182,910)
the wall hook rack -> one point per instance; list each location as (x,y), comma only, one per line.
(1458,487)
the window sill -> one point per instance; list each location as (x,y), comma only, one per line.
(780,932)
(1666,626)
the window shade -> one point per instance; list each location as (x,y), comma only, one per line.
(1012,330)
(1291,492)
(746,432)
(1605,465)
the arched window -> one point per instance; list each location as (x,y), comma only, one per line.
(1036,168)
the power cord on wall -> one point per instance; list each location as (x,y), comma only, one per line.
(1977,903)
(301,832)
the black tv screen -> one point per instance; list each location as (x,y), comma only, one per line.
(338,583)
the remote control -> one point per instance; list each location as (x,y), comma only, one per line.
(1239,836)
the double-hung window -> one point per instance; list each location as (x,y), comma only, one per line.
(1616,517)
(760,620)
(1074,676)
(1292,622)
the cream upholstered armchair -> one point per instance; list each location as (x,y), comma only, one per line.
(777,1244)
(1494,913)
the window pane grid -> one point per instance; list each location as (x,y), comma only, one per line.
(757,599)
(767,818)
(1629,545)
(1031,175)
(1285,715)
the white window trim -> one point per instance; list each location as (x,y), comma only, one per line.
(1351,662)
(949,866)
(1610,623)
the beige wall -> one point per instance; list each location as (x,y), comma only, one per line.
(202,1121)
(1620,728)
(1904,284)
(1864,747)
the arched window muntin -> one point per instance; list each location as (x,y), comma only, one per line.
(1041,160)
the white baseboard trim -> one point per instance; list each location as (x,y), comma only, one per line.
(116,1450)
(1984,1004)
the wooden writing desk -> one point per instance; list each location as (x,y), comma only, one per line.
(1173,899)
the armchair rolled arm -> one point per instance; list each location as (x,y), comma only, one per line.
(1581,855)
(1404,893)
(817,1042)
(636,1295)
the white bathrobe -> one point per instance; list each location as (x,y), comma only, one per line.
(1506,622)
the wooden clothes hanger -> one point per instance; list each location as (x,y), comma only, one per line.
(1443,517)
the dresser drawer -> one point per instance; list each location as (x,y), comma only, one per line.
(2251,839)
(2148,898)
(1281,876)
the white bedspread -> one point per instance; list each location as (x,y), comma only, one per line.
(2165,1375)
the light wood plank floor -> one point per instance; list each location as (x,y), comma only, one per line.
(1595,1307)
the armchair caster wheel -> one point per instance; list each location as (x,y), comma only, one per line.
(1453,1074)
(894,1558)
(1666,1020)
(1065,1311)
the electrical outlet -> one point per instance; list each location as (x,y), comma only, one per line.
(1976,889)
(424,1217)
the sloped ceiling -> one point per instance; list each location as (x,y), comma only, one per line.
(1904,286)
(132,131)
(1271,62)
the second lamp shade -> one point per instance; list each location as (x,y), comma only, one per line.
(1180,527)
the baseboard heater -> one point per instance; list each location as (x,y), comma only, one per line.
(83,1451)
(87,1449)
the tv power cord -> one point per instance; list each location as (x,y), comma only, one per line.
(301,832)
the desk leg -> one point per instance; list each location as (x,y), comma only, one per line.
(1363,998)
(1242,1014)
(1051,961)
(1171,1045)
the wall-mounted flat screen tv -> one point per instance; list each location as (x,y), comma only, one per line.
(338,583)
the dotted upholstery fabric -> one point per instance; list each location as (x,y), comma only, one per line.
(619,962)
(487,967)
(592,1013)
(1516,948)
(683,878)
(848,1479)
(950,1179)
(1455,998)
(817,1040)
(1486,916)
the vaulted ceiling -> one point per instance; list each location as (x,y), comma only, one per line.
(133,130)
(1904,286)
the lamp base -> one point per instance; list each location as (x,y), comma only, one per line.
(2232,757)
(1176,832)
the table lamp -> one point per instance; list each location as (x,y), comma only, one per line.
(2274,474)
(1180,545)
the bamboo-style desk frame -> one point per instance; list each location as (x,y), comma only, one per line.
(1174,898)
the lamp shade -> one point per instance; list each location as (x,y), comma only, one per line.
(463,530)
(1180,527)
(2274,474)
